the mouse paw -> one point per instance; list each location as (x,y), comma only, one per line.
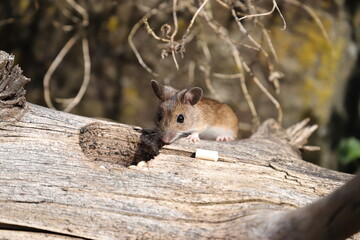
(224,138)
(194,137)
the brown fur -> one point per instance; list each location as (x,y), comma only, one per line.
(218,115)
(199,115)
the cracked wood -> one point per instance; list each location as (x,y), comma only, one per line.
(50,183)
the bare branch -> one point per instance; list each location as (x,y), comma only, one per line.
(136,27)
(86,80)
(272,99)
(174,34)
(312,13)
(193,20)
(275,6)
(81,11)
(222,32)
(150,31)
(254,78)
(58,59)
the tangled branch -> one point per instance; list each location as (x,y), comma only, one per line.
(71,102)
(243,13)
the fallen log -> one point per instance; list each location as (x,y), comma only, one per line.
(64,176)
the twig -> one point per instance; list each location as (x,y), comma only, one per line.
(227,76)
(86,79)
(266,55)
(136,27)
(133,47)
(275,6)
(274,77)
(172,43)
(58,59)
(312,13)
(225,5)
(239,63)
(174,46)
(65,28)
(207,70)
(67,13)
(245,32)
(179,46)
(193,20)
(272,99)
(269,42)
(150,31)
(254,78)
(176,26)
(81,11)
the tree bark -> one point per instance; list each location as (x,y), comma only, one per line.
(67,177)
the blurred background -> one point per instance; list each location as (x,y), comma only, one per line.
(106,53)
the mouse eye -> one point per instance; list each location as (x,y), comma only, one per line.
(159,116)
(180,118)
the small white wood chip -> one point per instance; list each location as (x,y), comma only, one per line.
(207,154)
(141,164)
(103,167)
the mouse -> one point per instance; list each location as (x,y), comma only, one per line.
(186,113)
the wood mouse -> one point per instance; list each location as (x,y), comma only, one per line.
(186,113)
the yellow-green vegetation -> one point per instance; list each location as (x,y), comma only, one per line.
(24,5)
(313,59)
(112,23)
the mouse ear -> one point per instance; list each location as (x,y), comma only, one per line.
(161,91)
(191,96)
(157,88)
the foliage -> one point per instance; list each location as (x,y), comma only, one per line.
(349,151)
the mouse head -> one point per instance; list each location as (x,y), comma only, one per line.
(178,113)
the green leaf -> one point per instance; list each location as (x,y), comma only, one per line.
(349,150)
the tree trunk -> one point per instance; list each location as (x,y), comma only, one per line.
(67,177)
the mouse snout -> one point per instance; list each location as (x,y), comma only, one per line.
(168,137)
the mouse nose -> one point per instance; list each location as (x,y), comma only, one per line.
(168,137)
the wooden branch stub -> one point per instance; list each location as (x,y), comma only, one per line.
(299,134)
(12,92)
(296,135)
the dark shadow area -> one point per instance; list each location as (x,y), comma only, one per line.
(117,144)
(13,227)
(344,126)
(148,147)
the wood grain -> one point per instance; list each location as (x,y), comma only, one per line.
(58,178)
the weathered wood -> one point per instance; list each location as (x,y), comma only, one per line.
(48,183)
(12,92)
(65,177)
